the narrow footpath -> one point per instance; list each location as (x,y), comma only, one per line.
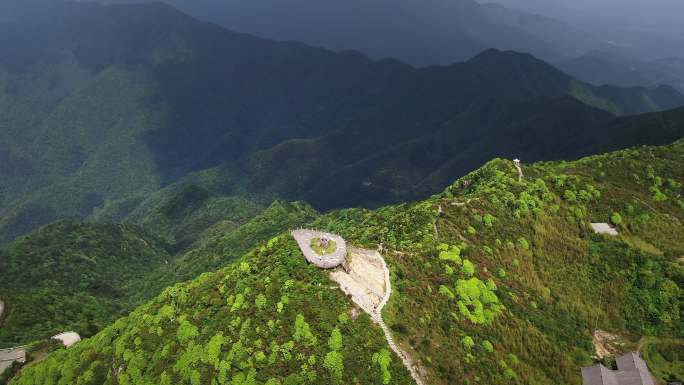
(376,316)
(434,223)
(516,163)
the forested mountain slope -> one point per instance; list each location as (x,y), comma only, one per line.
(79,276)
(496,280)
(100,106)
(182,214)
(72,276)
(220,246)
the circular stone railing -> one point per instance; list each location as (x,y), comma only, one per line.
(304,238)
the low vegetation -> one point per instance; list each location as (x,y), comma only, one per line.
(546,278)
(665,358)
(323,247)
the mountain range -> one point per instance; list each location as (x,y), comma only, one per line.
(437,32)
(639,30)
(103,106)
(605,68)
(441,32)
(153,167)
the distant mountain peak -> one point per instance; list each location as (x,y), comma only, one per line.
(493,55)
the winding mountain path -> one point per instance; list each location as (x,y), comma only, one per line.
(360,297)
(434,223)
(377,317)
(364,277)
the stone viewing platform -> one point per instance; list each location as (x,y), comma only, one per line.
(331,260)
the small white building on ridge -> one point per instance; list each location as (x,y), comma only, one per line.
(68,338)
(604,228)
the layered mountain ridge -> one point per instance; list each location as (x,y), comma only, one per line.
(438,32)
(103,106)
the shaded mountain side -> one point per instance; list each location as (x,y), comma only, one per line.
(332,170)
(645,129)
(184,213)
(221,245)
(495,280)
(579,133)
(101,106)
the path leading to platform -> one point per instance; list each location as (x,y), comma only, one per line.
(367,281)
(516,163)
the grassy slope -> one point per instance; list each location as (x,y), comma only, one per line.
(528,242)
(555,278)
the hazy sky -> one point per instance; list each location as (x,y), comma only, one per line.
(617,6)
(641,12)
(655,15)
(656,26)
(648,29)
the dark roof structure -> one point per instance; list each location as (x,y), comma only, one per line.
(632,370)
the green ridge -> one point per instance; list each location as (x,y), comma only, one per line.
(504,284)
